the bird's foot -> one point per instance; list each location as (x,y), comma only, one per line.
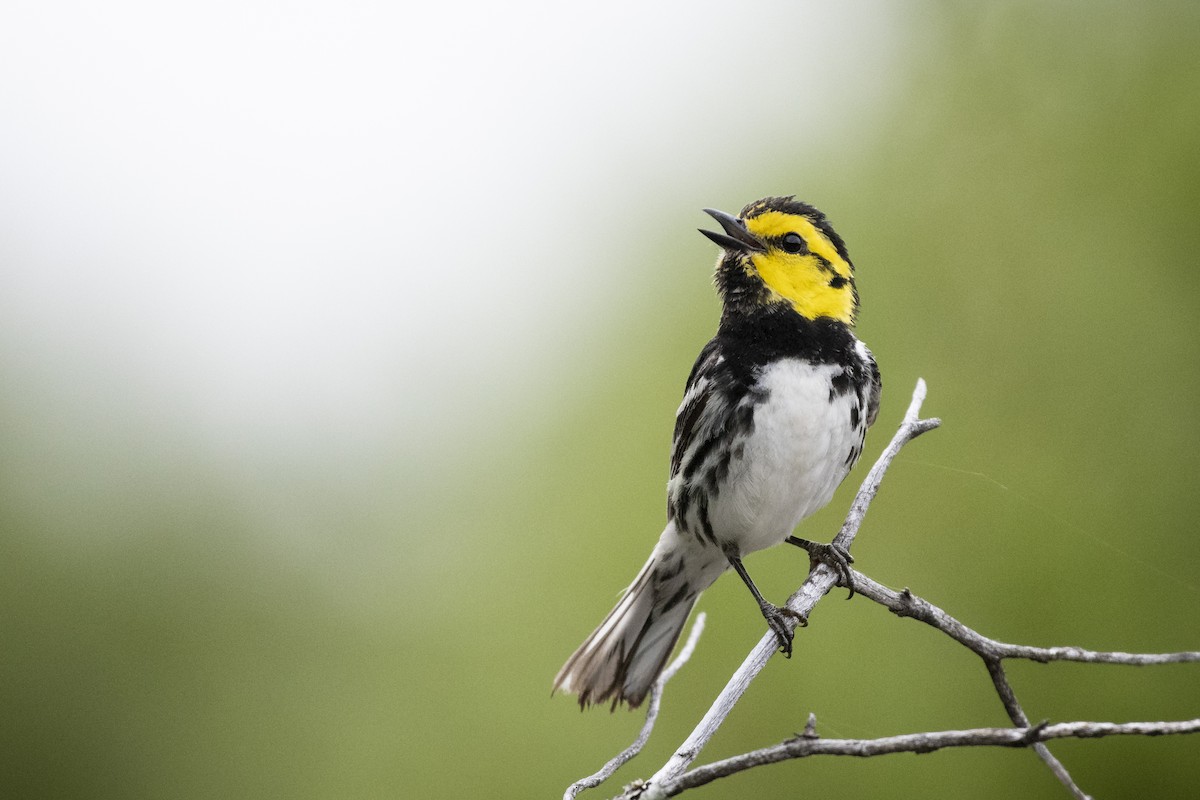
(777,620)
(833,556)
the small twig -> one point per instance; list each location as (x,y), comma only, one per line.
(993,653)
(1012,706)
(652,708)
(818,583)
(804,746)
(906,604)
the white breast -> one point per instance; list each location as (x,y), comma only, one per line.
(805,440)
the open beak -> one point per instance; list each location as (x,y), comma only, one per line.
(736,237)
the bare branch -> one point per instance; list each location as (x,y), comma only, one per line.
(806,745)
(652,708)
(906,604)
(674,776)
(820,580)
(1008,697)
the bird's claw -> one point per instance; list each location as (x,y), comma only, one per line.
(833,556)
(836,558)
(776,618)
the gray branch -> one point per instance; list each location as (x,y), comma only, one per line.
(993,653)
(674,776)
(807,744)
(906,604)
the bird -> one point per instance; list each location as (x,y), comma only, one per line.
(773,417)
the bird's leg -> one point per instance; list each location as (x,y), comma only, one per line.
(834,556)
(774,615)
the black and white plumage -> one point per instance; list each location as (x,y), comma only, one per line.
(773,417)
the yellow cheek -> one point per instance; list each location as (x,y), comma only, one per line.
(801,281)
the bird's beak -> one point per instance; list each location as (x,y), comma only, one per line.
(738,239)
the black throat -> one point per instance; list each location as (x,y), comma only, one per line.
(752,337)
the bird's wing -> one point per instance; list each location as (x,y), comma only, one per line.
(701,407)
(875,391)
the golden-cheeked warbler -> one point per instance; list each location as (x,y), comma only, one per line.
(772,419)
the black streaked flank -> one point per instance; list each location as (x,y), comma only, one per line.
(705,525)
(853,455)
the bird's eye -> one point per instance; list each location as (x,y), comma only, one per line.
(793,243)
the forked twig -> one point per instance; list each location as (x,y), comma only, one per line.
(993,653)
(906,604)
(808,745)
(674,777)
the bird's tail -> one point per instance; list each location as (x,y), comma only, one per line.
(623,657)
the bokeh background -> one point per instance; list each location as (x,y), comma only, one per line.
(341,343)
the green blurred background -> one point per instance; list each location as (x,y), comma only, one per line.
(341,348)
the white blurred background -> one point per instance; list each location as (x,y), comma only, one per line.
(283,222)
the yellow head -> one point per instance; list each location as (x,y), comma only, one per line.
(779,250)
